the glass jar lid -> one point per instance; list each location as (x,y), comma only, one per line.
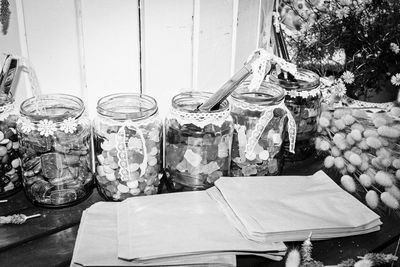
(127,106)
(56,107)
(306,80)
(268,94)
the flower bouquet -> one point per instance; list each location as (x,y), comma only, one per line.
(364,147)
(355,41)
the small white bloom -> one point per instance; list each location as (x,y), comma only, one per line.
(339,56)
(26,125)
(46,127)
(343,12)
(348,77)
(395,79)
(395,48)
(340,89)
(68,125)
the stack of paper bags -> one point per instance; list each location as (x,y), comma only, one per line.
(171,229)
(289,208)
(240,215)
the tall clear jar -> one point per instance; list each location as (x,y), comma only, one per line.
(55,148)
(197,149)
(10,163)
(303,98)
(260,119)
(128,146)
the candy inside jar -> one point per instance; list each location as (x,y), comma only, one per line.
(303,99)
(128,146)
(197,150)
(10,163)
(260,119)
(55,150)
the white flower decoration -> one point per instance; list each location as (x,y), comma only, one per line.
(348,77)
(343,12)
(340,89)
(395,48)
(339,56)
(68,125)
(395,79)
(26,125)
(46,127)
(303,94)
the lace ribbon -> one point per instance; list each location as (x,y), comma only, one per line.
(122,155)
(262,65)
(122,150)
(267,114)
(200,119)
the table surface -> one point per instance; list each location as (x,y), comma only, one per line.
(49,240)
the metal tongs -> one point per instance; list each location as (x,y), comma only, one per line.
(228,87)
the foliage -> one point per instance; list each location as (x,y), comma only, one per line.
(303,258)
(357,38)
(5,15)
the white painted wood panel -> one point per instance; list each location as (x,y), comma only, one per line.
(215,44)
(248,26)
(91,48)
(110,31)
(52,46)
(167,48)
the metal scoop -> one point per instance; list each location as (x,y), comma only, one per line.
(228,87)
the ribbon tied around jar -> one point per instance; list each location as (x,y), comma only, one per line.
(267,114)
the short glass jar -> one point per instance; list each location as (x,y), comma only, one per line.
(260,119)
(10,163)
(197,149)
(303,99)
(55,148)
(128,146)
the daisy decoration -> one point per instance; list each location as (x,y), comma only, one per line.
(26,125)
(68,125)
(46,127)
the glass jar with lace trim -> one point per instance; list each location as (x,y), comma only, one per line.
(128,146)
(260,119)
(55,148)
(197,150)
(10,163)
(303,99)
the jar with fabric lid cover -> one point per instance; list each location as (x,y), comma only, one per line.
(128,146)
(198,144)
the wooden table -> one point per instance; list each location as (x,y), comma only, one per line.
(49,240)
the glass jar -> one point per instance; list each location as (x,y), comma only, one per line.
(128,146)
(55,149)
(197,149)
(10,163)
(260,120)
(303,99)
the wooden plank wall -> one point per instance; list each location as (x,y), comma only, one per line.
(91,48)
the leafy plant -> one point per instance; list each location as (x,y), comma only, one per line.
(357,38)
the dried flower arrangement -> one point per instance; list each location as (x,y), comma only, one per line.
(356,41)
(364,147)
(303,258)
(5,15)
